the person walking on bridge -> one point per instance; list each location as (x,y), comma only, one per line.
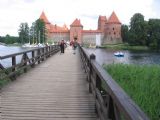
(75,44)
(62,46)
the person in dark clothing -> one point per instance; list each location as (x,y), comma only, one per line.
(75,44)
(62,46)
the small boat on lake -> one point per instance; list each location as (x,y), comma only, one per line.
(119,54)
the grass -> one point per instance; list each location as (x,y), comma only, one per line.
(141,83)
(3,82)
(126,47)
(3,79)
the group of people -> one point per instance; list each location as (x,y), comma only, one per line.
(63,44)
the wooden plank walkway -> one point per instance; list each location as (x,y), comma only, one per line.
(54,90)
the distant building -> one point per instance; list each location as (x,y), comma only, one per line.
(108,31)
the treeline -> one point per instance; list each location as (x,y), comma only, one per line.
(35,34)
(141,32)
(9,39)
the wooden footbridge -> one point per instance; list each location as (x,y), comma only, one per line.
(63,87)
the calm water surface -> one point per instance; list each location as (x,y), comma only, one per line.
(105,56)
(5,50)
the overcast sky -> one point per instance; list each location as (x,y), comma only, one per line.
(14,12)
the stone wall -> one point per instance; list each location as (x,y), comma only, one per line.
(91,38)
(111,40)
(56,37)
(88,38)
(112,34)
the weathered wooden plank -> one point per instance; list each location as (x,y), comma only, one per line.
(56,89)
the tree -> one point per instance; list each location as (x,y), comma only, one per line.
(2,39)
(154,33)
(33,33)
(10,39)
(41,32)
(138,29)
(125,33)
(24,33)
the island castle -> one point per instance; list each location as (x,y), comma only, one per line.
(108,31)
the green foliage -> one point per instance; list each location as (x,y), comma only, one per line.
(24,32)
(9,39)
(142,83)
(141,32)
(126,47)
(125,33)
(3,82)
(41,31)
(50,42)
(37,33)
(138,29)
(154,33)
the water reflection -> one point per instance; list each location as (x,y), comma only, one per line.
(105,56)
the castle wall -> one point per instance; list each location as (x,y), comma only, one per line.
(56,37)
(108,32)
(110,40)
(91,38)
(76,32)
(112,34)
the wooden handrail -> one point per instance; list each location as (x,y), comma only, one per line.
(112,103)
(37,56)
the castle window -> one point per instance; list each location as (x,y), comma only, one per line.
(114,33)
(113,28)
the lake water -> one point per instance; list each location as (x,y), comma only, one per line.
(5,50)
(105,56)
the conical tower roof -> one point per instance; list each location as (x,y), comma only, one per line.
(113,18)
(76,23)
(43,17)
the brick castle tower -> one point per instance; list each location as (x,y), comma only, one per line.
(108,31)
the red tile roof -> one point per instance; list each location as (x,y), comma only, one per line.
(113,19)
(76,23)
(44,18)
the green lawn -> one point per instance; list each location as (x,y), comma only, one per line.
(142,83)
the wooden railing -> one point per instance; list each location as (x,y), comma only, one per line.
(28,59)
(112,103)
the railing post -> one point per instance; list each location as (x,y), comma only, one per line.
(14,66)
(25,62)
(33,59)
(46,52)
(43,55)
(38,54)
(49,51)
(52,49)
(92,57)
